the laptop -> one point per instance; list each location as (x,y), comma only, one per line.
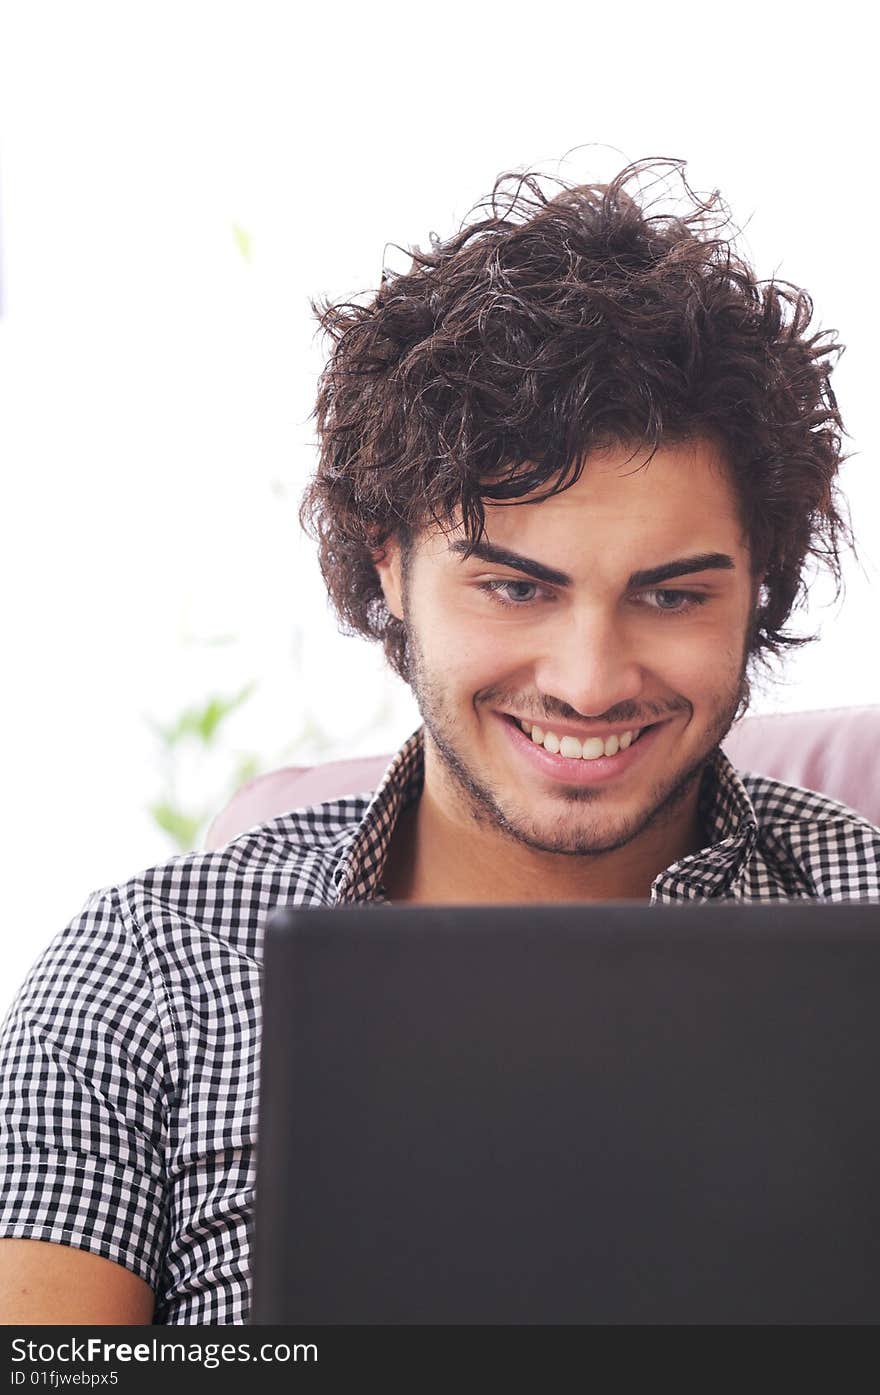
(570,1114)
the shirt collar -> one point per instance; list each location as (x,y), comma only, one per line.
(364,848)
(726,813)
(727,817)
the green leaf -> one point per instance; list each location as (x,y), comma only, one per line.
(183,828)
(202,722)
(242,241)
(215,710)
(247,768)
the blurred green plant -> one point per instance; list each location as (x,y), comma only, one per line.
(197,728)
(199,731)
(242,241)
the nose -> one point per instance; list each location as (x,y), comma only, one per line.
(588,663)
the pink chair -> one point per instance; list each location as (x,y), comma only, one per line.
(835,751)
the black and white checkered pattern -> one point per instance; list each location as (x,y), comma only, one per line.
(129,1060)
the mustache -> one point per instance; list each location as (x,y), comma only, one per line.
(544,709)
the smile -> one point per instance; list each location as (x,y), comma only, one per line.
(569,760)
(570,748)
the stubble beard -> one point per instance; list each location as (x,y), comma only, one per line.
(486,809)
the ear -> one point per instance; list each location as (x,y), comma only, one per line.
(756,591)
(387,562)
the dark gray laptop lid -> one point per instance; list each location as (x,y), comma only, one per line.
(570,1114)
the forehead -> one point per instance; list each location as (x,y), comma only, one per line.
(625,506)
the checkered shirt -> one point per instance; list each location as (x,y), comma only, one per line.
(129,1059)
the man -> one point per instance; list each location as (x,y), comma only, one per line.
(572,466)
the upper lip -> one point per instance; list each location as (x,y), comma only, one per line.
(582,733)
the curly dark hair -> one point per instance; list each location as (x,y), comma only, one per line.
(547,327)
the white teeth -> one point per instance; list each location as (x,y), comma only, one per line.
(572,749)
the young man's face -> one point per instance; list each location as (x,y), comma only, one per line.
(593,648)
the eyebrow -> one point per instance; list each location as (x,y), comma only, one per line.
(650,576)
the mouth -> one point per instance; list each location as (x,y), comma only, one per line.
(572,747)
(569,759)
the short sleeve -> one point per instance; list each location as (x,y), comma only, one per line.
(83,1097)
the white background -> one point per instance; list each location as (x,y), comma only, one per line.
(156,385)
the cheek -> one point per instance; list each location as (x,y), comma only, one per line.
(465,641)
(481,659)
(694,660)
(713,677)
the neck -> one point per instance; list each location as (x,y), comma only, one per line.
(441,854)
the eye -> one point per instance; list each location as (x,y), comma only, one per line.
(671,602)
(510,592)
